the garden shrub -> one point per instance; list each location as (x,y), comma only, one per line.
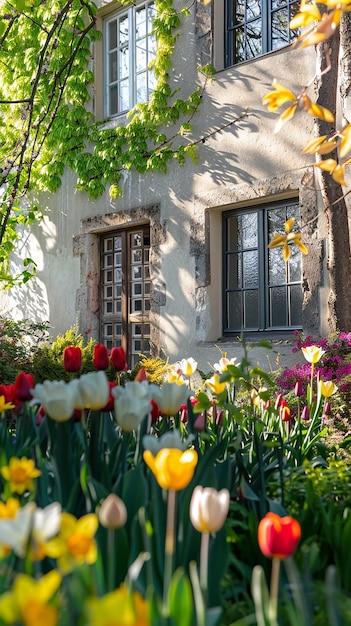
(20,342)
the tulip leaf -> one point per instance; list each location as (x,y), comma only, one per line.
(213,616)
(134,490)
(180,599)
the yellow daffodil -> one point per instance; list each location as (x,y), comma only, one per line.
(288,239)
(30,527)
(188,367)
(209,508)
(4,406)
(28,602)
(313,354)
(118,608)
(173,469)
(20,474)
(327,388)
(215,385)
(75,543)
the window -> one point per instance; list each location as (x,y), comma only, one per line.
(257,26)
(261,292)
(125,291)
(129,49)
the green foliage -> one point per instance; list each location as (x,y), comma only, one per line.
(155,368)
(19,343)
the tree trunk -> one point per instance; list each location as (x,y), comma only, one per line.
(335,208)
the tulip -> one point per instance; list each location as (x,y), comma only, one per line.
(313,354)
(113,512)
(327,408)
(100,357)
(92,391)
(170,396)
(215,385)
(171,439)
(110,404)
(141,375)
(173,469)
(57,397)
(223,363)
(72,358)
(188,367)
(327,388)
(24,383)
(209,508)
(284,411)
(305,415)
(118,358)
(9,393)
(155,412)
(132,404)
(278,536)
(298,390)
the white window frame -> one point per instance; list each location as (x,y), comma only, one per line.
(112,53)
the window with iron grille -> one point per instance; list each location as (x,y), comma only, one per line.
(254,27)
(260,291)
(130,46)
(125,291)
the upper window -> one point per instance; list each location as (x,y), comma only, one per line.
(261,291)
(254,27)
(125,291)
(129,49)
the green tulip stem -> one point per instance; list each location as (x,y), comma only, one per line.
(204,551)
(274,590)
(312,373)
(169,546)
(111,559)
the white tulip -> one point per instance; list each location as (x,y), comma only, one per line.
(93,391)
(132,404)
(57,397)
(209,508)
(170,397)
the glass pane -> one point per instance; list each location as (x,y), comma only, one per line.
(136,273)
(239,45)
(113,67)
(250,265)
(280,29)
(124,96)
(296,297)
(253,45)
(108,330)
(234,310)
(124,63)
(107,245)
(113,100)
(295,265)
(112,35)
(253,9)
(238,11)
(234,271)
(118,242)
(108,276)
(137,240)
(118,275)
(251,309)
(141,88)
(141,58)
(249,230)
(118,258)
(123,30)
(136,256)
(140,23)
(277,267)
(278,306)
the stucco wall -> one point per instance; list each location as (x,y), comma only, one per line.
(243,164)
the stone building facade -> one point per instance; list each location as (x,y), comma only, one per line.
(179,264)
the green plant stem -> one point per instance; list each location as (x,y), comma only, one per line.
(169,547)
(111,559)
(204,551)
(274,590)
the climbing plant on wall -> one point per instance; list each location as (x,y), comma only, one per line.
(45,120)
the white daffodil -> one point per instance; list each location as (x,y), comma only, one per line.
(92,391)
(170,397)
(46,524)
(170,439)
(188,367)
(30,524)
(223,363)
(57,397)
(209,508)
(132,404)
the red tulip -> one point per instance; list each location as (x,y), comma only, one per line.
(9,393)
(278,536)
(141,375)
(118,359)
(23,385)
(284,412)
(155,412)
(72,358)
(110,405)
(305,415)
(100,358)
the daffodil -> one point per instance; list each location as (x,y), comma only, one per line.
(188,367)
(28,602)
(119,608)
(223,363)
(286,240)
(215,385)
(173,469)
(327,388)
(20,474)
(75,543)
(30,528)
(209,508)
(313,354)
(4,406)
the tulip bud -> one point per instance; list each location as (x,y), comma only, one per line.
(113,512)
(305,415)
(209,508)
(298,389)
(118,358)
(141,375)
(100,357)
(23,385)
(278,401)
(200,422)
(72,358)
(278,536)
(327,408)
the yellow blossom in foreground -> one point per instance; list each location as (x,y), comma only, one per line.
(119,608)
(173,469)
(28,602)
(313,354)
(336,169)
(188,366)
(323,30)
(327,388)
(4,406)
(20,473)
(75,543)
(215,385)
(8,510)
(288,239)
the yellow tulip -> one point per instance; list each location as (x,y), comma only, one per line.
(173,469)
(215,385)
(327,388)
(119,608)
(209,508)
(313,354)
